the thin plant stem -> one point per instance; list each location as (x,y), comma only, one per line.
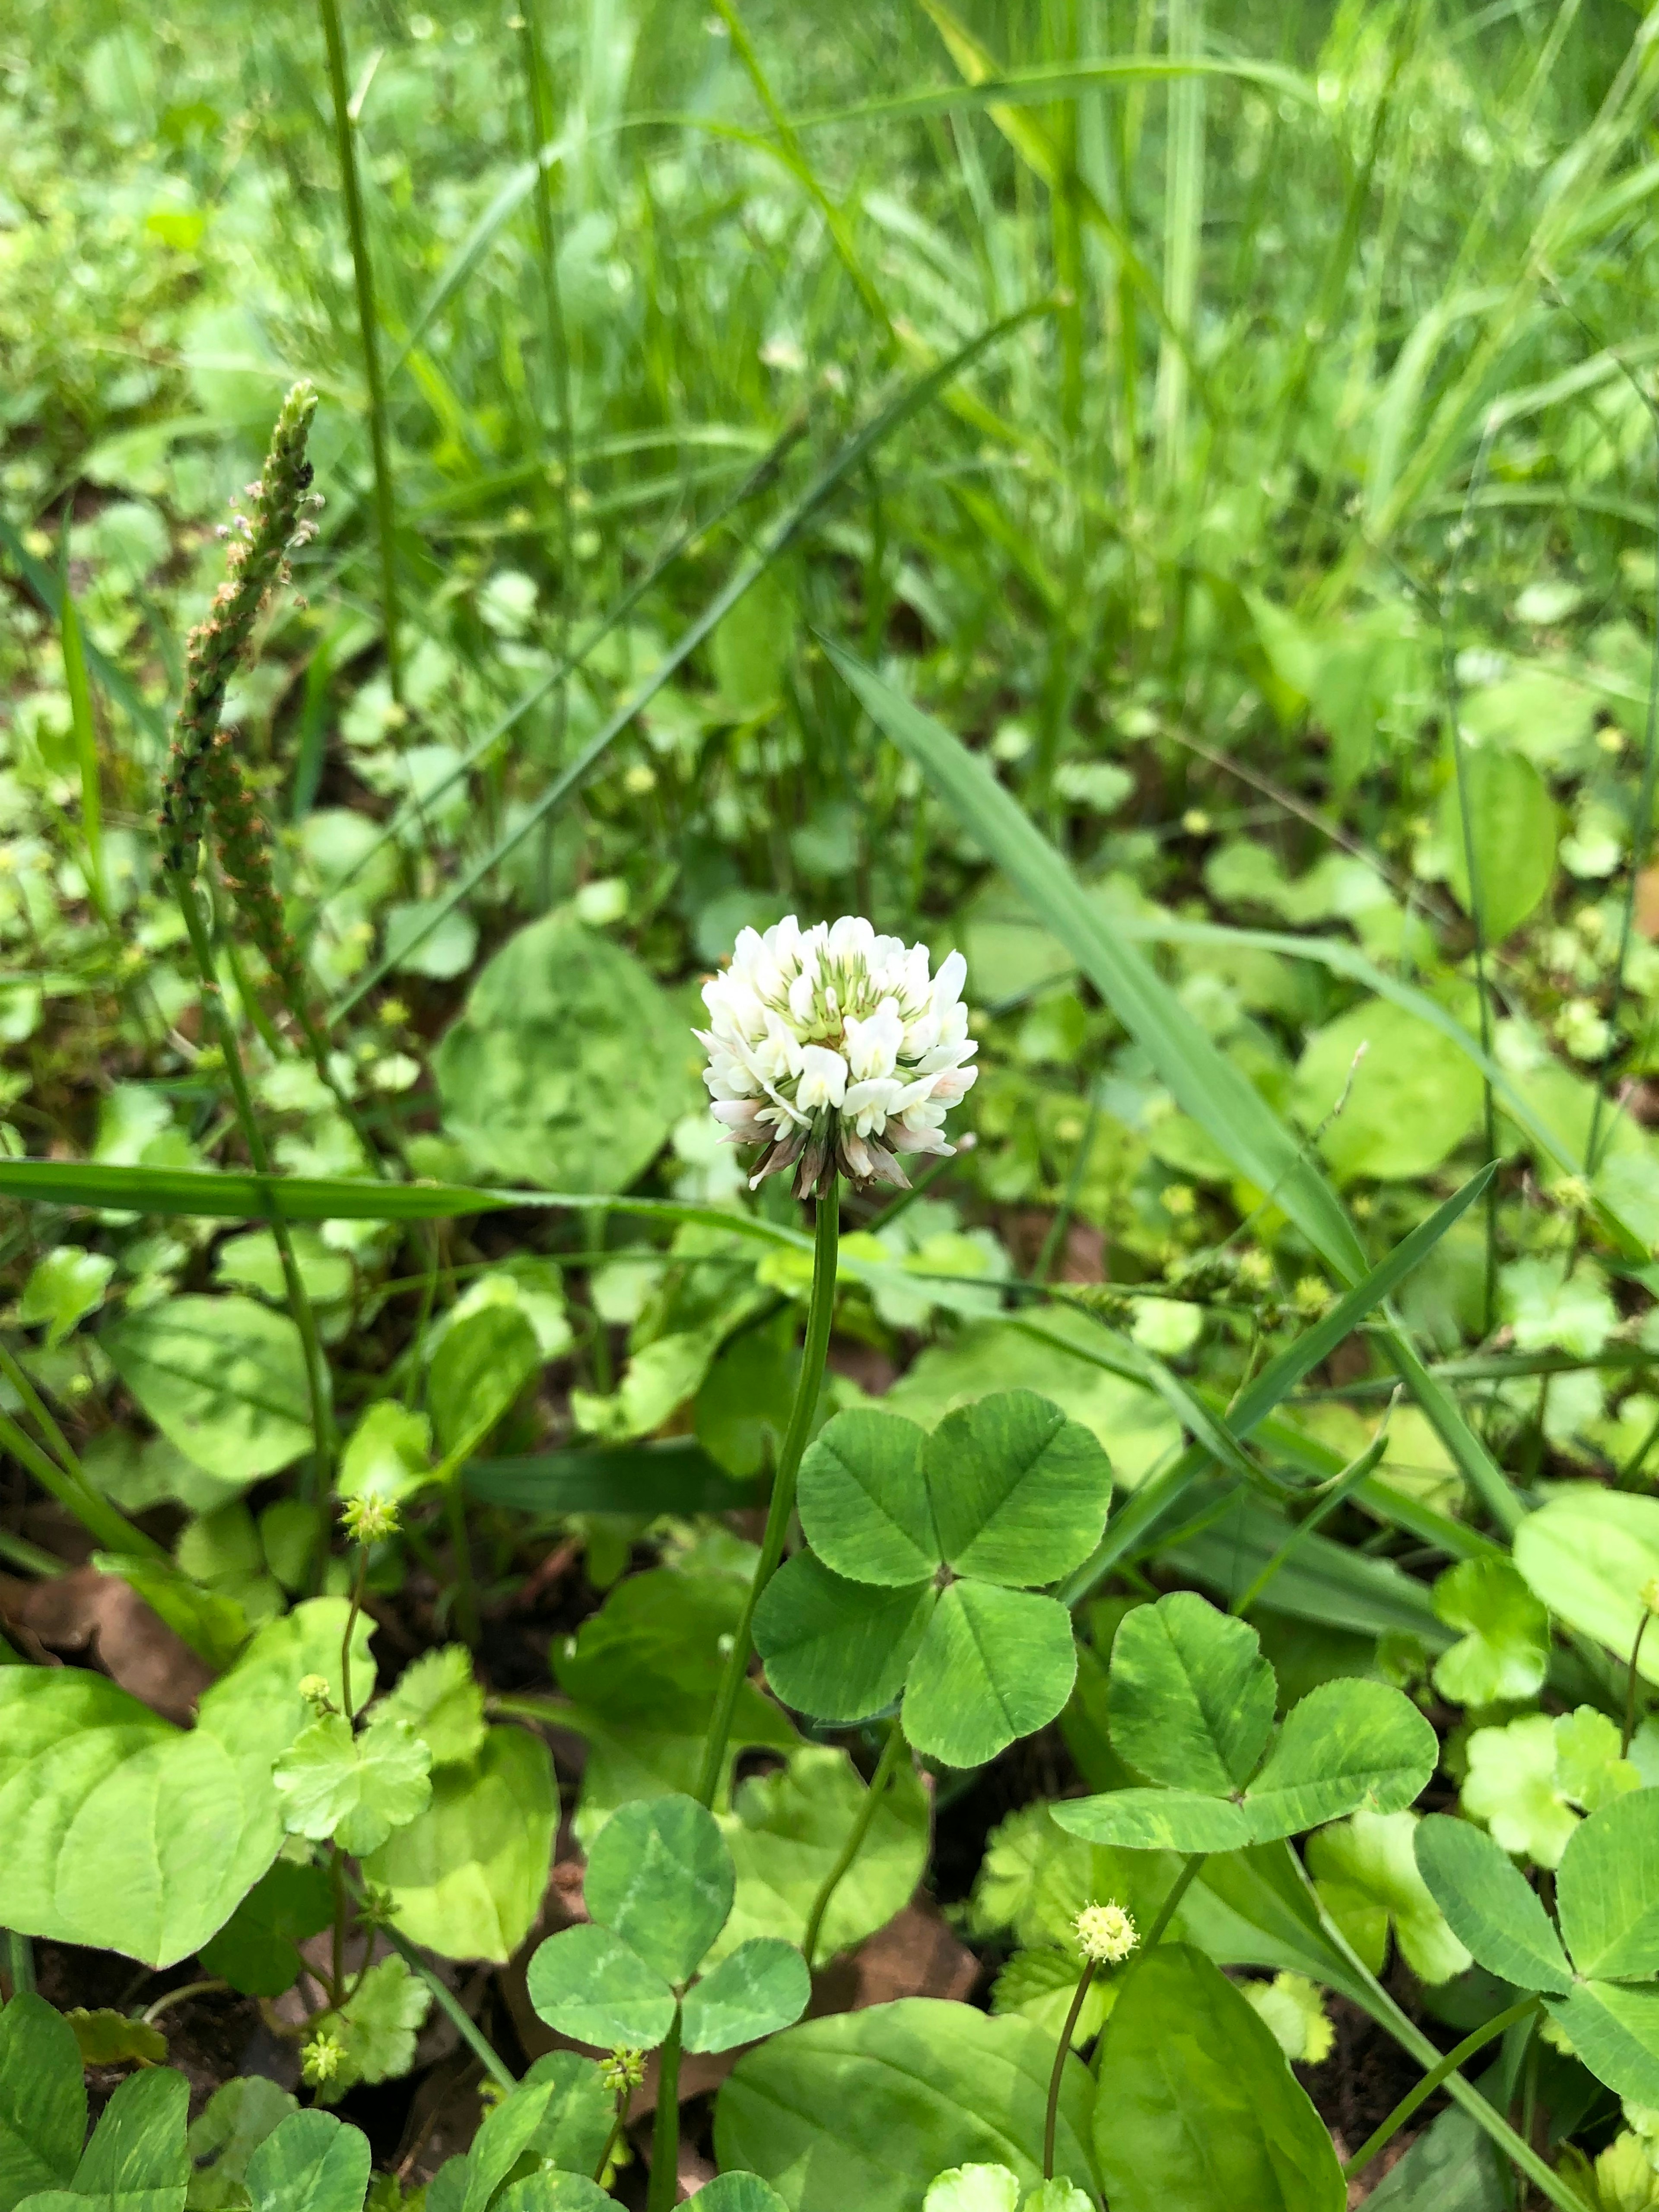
(1432,2080)
(614,2137)
(342,1911)
(665,2128)
(354,1608)
(819,1313)
(151,2014)
(1051,2120)
(1172,1904)
(20,1963)
(95,1514)
(886,1765)
(29,1558)
(368,333)
(467,2029)
(299,1299)
(1630,1687)
(40,1414)
(1412,2039)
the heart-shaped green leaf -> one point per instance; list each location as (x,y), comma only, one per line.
(660,1877)
(836,1649)
(1156,1820)
(224,1379)
(255,1950)
(138,2149)
(741,2193)
(311,2162)
(590,1985)
(43,2098)
(504,2134)
(550,2190)
(483,1361)
(1197,2107)
(994,1664)
(1348,1746)
(1490,1905)
(1019,1492)
(1607,1891)
(757,1988)
(1614,2029)
(1190,1699)
(864,1503)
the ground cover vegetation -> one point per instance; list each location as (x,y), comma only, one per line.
(1082,1641)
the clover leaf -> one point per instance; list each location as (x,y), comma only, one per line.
(1190,1701)
(1597,1975)
(919,1578)
(1504,1653)
(659,1884)
(355,1788)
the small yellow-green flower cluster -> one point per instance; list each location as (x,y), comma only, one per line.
(320,2060)
(368,1519)
(622,2071)
(1106,1933)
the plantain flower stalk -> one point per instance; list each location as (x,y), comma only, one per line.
(835,1049)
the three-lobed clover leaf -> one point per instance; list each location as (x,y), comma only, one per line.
(920,1579)
(1190,1703)
(659,1884)
(1597,1974)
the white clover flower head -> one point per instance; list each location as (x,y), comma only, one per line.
(836,1049)
(1106,1933)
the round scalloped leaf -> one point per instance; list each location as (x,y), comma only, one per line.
(590,1985)
(836,1649)
(763,1985)
(1587,1554)
(1190,1699)
(660,1877)
(1020,1494)
(1489,1904)
(864,1503)
(994,1664)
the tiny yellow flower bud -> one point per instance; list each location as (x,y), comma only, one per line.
(1106,1933)
(1650,1594)
(370,1518)
(321,2058)
(622,2071)
(314,1688)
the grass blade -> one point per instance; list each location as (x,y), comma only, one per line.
(649,1479)
(1206,1085)
(85,730)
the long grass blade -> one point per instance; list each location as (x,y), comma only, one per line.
(85,733)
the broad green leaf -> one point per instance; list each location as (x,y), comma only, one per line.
(836,1649)
(1190,1699)
(256,1711)
(786,1831)
(549,2191)
(1489,1904)
(588,1984)
(1511,827)
(759,1988)
(64,1285)
(355,1788)
(503,2136)
(1348,1747)
(43,2099)
(310,2163)
(254,1262)
(575,2125)
(1019,1492)
(236,2119)
(659,1876)
(1197,2106)
(994,1665)
(973,2189)
(1607,1891)
(1156,1820)
(864,1503)
(479,1368)
(1586,1555)
(568,1068)
(1412,1099)
(741,2193)
(1614,2028)
(378,2025)
(1039,1985)
(388,1455)
(138,2148)
(1211,1088)
(932,2085)
(224,1379)
(1504,1654)
(441,1701)
(468,1873)
(1366,1873)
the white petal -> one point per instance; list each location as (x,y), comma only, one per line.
(822,1078)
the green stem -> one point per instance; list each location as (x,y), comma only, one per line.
(613,2138)
(1432,2080)
(886,1766)
(20,1963)
(448,2003)
(1051,2121)
(40,1414)
(151,2014)
(27,1557)
(1410,2038)
(467,1595)
(110,1527)
(369,333)
(663,2186)
(299,1299)
(819,1313)
(1172,1904)
(1630,1687)
(355,1608)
